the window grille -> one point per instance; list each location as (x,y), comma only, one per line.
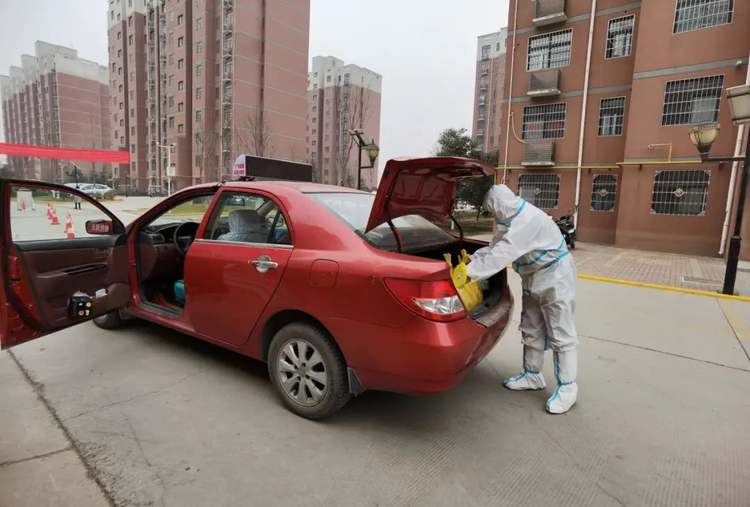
(550,50)
(620,37)
(611,114)
(681,193)
(544,122)
(696,14)
(692,101)
(541,190)
(603,192)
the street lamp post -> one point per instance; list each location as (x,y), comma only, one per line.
(703,136)
(372,149)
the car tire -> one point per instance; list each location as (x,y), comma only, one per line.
(111,320)
(322,360)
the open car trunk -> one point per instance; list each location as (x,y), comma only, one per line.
(493,289)
(427,188)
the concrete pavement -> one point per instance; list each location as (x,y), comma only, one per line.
(38,462)
(163,419)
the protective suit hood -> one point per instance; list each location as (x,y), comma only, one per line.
(503,203)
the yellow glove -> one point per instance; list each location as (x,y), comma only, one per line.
(465,258)
(459,275)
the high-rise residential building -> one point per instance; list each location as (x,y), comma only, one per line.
(488,90)
(195,83)
(601,121)
(56,99)
(341,98)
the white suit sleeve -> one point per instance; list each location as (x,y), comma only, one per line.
(510,247)
(482,252)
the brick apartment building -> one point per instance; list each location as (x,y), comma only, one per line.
(56,99)
(488,90)
(656,68)
(341,98)
(212,78)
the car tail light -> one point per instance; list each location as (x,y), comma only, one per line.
(435,300)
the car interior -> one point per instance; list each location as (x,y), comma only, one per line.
(163,244)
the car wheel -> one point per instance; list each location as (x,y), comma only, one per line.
(111,320)
(308,371)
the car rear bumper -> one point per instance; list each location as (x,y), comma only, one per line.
(428,357)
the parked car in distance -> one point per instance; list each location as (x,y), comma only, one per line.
(338,290)
(96,190)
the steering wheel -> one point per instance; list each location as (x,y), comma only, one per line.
(184,236)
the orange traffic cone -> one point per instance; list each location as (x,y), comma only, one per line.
(23,205)
(55,221)
(69,228)
(49,211)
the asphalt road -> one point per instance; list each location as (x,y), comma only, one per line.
(162,419)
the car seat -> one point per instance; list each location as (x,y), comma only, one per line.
(244,226)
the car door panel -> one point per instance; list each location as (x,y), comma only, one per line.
(225,293)
(227,287)
(57,274)
(40,276)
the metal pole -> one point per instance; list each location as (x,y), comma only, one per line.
(359,167)
(169,168)
(735,242)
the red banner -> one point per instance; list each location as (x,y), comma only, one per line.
(25,150)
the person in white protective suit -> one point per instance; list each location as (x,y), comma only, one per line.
(530,239)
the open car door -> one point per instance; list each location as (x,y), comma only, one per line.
(63,260)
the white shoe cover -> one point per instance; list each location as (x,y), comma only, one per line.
(564,398)
(526,381)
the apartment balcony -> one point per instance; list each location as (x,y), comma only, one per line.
(544,83)
(549,12)
(539,153)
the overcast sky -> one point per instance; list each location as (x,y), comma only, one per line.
(425,50)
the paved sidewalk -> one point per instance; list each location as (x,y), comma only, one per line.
(684,271)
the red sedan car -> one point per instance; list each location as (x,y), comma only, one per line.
(337,290)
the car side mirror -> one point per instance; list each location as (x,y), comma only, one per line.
(99,227)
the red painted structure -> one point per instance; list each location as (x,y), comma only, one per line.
(27,150)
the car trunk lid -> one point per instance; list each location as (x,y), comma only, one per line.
(422,186)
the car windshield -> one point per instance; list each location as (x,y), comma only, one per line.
(417,233)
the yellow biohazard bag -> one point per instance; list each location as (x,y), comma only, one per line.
(469,292)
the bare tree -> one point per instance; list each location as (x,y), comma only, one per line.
(208,144)
(351,105)
(252,134)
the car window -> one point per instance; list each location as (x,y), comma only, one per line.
(244,217)
(354,210)
(192,209)
(41,214)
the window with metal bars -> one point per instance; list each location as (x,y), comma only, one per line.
(541,190)
(603,192)
(611,114)
(544,122)
(550,50)
(681,193)
(620,37)
(692,101)
(693,15)
(486,52)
